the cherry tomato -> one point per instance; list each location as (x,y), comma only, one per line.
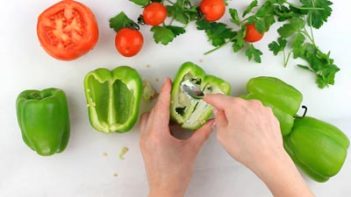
(128,41)
(252,35)
(154,14)
(67,30)
(212,9)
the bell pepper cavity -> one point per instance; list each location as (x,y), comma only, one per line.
(113,98)
(191,113)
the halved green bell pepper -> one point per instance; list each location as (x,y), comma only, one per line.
(317,147)
(284,99)
(188,112)
(44,120)
(113,98)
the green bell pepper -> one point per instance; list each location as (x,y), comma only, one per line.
(189,112)
(113,98)
(317,147)
(44,120)
(284,99)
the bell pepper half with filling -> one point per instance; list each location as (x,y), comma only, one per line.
(189,112)
(317,147)
(43,118)
(113,98)
(283,98)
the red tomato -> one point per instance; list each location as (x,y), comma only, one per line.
(129,41)
(252,35)
(212,9)
(67,30)
(154,14)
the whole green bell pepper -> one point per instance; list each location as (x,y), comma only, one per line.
(317,147)
(284,99)
(113,98)
(44,120)
(189,112)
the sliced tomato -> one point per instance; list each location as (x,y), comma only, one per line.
(67,30)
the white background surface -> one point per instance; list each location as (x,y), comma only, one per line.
(83,170)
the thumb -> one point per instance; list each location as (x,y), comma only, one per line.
(202,134)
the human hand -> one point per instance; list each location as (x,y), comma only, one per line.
(250,133)
(168,161)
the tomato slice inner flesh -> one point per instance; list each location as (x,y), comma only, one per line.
(65,28)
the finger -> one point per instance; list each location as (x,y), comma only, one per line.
(161,109)
(219,101)
(202,134)
(220,119)
(143,121)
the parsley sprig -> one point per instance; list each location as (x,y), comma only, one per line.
(296,38)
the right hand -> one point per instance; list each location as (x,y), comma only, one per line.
(250,133)
(248,130)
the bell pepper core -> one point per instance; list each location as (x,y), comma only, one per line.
(113,98)
(187,111)
(44,120)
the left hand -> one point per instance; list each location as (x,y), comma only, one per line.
(168,161)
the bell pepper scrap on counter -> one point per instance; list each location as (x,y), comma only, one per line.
(317,147)
(284,99)
(149,91)
(113,98)
(44,120)
(189,110)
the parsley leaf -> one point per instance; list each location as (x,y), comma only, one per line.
(316,17)
(277,46)
(284,13)
(120,21)
(263,18)
(217,33)
(235,16)
(166,34)
(176,30)
(182,11)
(238,40)
(162,35)
(288,29)
(253,53)
(249,8)
(141,2)
(297,43)
(260,25)
(320,63)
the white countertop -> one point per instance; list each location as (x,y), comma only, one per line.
(90,166)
